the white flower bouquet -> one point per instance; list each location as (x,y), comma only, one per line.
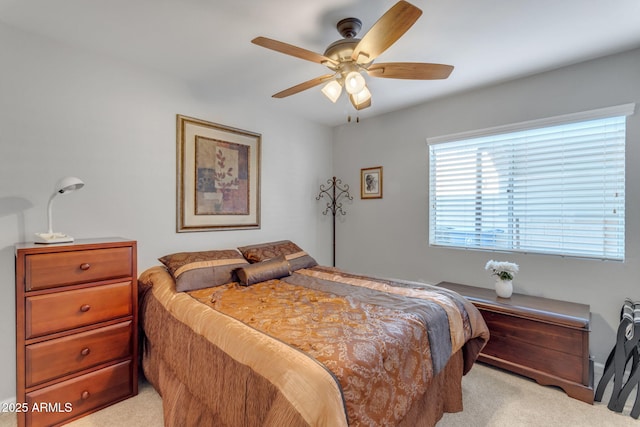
(504,270)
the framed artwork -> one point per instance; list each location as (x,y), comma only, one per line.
(371,183)
(218,177)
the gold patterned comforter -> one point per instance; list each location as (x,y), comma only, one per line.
(380,341)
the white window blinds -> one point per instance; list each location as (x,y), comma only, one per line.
(555,186)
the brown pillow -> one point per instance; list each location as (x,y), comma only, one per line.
(197,270)
(264,251)
(274,268)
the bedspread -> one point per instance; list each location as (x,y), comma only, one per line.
(383,340)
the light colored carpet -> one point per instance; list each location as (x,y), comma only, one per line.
(143,410)
(492,398)
(496,398)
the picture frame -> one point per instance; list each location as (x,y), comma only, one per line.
(218,176)
(371,183)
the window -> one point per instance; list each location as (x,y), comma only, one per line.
(553,186)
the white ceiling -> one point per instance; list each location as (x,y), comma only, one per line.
(207,42)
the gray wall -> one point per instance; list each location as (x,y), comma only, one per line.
(67,112)
(389,237)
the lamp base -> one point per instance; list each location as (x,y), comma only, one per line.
(48,238)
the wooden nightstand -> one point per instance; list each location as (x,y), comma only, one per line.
(76,328)
(543,339)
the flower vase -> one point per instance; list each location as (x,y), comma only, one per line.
(504,288)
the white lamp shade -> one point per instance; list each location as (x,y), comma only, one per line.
(332,90)
(360,98)
(354,82)
(68,184)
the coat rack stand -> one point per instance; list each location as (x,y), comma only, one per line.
(334,192)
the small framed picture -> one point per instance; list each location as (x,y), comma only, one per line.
(371,183)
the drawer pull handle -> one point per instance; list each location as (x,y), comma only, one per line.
(85,266)
(85,351)
(85,307)
(85,395)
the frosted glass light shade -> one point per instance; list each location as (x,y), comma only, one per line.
(354,82)
(332,90)
(362,96)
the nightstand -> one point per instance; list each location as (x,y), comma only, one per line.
(76,328)
(543,339)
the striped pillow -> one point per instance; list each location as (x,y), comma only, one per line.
(265,251)
(197,270)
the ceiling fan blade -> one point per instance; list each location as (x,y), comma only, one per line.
(386,31)
(292,50)
(410,70)
(303,86)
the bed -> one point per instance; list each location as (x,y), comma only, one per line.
(264,336)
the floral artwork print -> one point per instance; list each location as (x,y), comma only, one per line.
(222,177)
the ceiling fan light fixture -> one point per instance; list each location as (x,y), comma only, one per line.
(361,97)
(350,57)
(361,100)
(332,90)
(354,82)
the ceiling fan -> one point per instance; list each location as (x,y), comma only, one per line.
(350,57)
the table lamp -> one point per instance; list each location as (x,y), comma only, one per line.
(63,186)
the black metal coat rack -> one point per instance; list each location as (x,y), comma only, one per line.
(334,192)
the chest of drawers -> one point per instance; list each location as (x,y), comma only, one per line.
(76,328)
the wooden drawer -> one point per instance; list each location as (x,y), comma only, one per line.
(534,333)
(562,365)
(66,268)
(76,396)
(65,310)
(62,356)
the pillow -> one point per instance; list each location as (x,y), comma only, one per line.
(292,252)
(197,270)
(274,268)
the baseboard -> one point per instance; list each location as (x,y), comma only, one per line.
(598,370)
